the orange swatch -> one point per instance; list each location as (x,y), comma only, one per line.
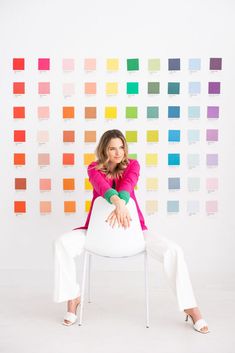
(19,158)
(68,184)
(69,206)
(19,206)
(68,158)
(68,112)
(90,112)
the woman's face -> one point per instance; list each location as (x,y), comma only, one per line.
(115,150)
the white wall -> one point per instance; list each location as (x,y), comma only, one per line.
(102,29)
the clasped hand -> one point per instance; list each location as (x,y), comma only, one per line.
(121,216)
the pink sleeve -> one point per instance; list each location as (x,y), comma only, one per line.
(97,180)
(130,177)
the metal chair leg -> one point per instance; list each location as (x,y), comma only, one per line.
(146,288)
(83,286)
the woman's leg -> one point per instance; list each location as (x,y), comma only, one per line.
(66,248)
(175,268)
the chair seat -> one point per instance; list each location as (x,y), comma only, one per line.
(104,240)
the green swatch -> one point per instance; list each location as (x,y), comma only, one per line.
(132,87)
(153,87)
(131,112)
(132,64)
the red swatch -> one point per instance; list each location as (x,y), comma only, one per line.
(19,206)
(19,112)
(18,64)
(18,87)
(68,158)
(19,135)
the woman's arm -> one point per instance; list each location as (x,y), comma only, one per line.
(129,181)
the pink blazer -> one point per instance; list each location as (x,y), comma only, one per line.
(127,183)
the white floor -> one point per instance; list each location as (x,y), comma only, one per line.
(115,320)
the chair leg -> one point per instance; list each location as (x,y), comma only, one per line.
(83,286)
(146,288)
(89,277)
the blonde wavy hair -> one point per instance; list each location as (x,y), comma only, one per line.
(101,152)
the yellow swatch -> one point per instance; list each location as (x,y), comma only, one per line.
(152,183)
(87,205)
(151,159)
(111,88)
(88,158)
(151,206)
(87,184)
(112,64)
(152,136)
(110,112)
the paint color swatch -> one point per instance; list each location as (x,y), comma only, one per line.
(214,87)
(212,135)
(193,160)
(45,184)
(43,159)
(19,136)
(68,112)
(19,112)
(43,112)
(19,159)
(90,136)
(216,64)
(213,112)
(112,64)
(153,87)
(174,64)
(131,112)
(173,112)
(44,88)
(20,206)
(68,64)
(212,184)
(20,184)
(132,87)
(110,112)
(132,64)
(173,159)
(173,206)
(194,112)
(173,88)
(18,64)
(151,159)
(69,136)
(69,184)
(151,206)
(43,64)
(42,136)
(69,206)
(90,64)
(90,88)
(68,159)
(153,65)
(212,160)
(174,183)
(18,88)
(131,136)
(90,112)
(212,206)
(152,135)
(194,64)
(45,206)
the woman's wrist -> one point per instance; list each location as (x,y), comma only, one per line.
(117,201)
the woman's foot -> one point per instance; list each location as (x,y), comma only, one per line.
(195,315)
(72,306)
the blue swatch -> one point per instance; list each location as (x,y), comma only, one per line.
(174,135)
(173,112)
(173,159)
(172,206)
(173,64)
(173,183)
(194,64)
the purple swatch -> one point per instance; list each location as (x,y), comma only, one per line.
(212,135)
(213,112)
(215,63)
(212,160)
(214,87)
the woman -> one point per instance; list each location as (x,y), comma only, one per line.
(114,176)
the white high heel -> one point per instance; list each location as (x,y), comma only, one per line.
(71,317)
(198,325)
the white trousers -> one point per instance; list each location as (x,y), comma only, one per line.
(71,244)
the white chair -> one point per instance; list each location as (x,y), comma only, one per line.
(117,242)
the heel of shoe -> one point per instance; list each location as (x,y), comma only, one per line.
(186,317)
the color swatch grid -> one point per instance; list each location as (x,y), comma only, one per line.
(158,105)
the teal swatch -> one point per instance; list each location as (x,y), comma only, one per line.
(173,88)
(152,112)
(132,87)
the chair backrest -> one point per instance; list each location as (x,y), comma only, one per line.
(104,240)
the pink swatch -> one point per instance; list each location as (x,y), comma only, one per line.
(43,64)
(90,64)
(43,87)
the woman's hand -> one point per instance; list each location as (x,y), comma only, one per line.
(121,215)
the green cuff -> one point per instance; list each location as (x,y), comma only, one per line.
(109,193)
(124,195)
